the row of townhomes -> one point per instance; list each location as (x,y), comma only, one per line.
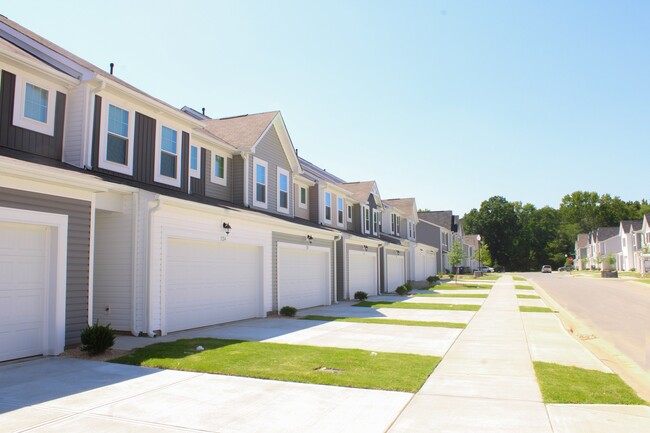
(119,208)
(628,245)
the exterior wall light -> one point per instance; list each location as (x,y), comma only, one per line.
(227,228)
(310,238)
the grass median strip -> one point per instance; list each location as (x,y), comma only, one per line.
(452,295)
(562,384)
(385,321)
(522,287)
(290,363)
(447,286)
(524,309)
(528,297)
(417,306)
(518,278)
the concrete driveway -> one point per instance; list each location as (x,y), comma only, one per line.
(68,395)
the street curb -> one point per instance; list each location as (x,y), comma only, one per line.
(628,370)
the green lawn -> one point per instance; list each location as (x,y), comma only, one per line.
(291,363)
(572,385)
(522,287)
(448,286)
(535,310)
(643,280)
(385,321)
(518,278)
(452,295)
(528,297)
(417,306)
(487,277)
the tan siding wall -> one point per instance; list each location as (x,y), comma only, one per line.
(298,211)
(238,180)
(214,190)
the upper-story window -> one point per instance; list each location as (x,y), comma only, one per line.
(195,161)
(283,190)
(168,161)
(366,219)
(303,198)
(328,207)
(219,172)
(34,105)
(393,217)
(339,210)
(261,178)
(375,221)
(349,213)
(398,221)
(116,138)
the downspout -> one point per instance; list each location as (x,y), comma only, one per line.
(245,156)
(379,247)
(336,239)
(88,124)
(135,218)
(148,245)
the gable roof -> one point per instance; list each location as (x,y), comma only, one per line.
(631,225)
(604,233)
(405,205)
(441,218)
(361,190)
(583,240)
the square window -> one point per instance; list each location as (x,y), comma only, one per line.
(36,102)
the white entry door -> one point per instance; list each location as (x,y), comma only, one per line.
(23,289)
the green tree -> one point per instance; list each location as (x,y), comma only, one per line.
(456,256)
(497,223)
(482,255)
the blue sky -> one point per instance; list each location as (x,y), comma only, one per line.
(450,102)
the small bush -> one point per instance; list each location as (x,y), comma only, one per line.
(288,311)
(408,287)
(433,279)
(97,338)
(401,290)
(360,295)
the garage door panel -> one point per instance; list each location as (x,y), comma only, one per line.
(303,277)
(395,272)
(23,287)
(363,273)
(209,283)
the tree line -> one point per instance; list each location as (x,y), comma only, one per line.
(522,237)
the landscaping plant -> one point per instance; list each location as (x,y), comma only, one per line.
(288,311)
(97,338)
(360,295)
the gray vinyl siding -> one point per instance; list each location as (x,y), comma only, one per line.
(238,180)
(73,136)
(270,149)
(356,218)
(430,235)
(78,258)
(23,139)
(340,271)
(298,240)
(221,192)
(300,212)
(314,202)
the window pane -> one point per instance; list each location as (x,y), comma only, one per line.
(340,212)
(303,196)
(36,103)
(284,183)
(260,193)
(260,174)
(118,121)
(168,165)
(219,166)
(168,140)
(194,158)
(328,199)
(328,213)
(116,149)
(284,199)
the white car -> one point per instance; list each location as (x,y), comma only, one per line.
(546,269)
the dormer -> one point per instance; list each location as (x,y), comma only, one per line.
(407,218)
(370,206)
(265,162)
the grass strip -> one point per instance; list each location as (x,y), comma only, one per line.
(528,297)
(644,281)
(452,295)
(524,309)
(562,384)
(417,306)
(518,278)
(385,321)
(522,287)
(290,363)
(448,286)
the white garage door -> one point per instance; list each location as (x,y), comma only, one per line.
(303,277)
(430,264)
(210,282)
(420,266)
(395,272)
(363,273)
(23,266)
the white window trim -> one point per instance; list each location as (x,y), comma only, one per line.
(398,222)
(339,200)
(348,209)
(102,161)
(374,223)
(265,204)
(325,207)
(300,203)
(20,120)
(365,217)
(224,181)
(195,173)
(282,171)
(179,155)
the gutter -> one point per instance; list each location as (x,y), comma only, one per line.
(336,239)
(148,248)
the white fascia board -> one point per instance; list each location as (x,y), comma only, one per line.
(301,180)
(285,226)
(197,138)
(358,240)
(36,67)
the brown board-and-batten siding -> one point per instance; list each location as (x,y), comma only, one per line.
(78,259)
(26,140)
(144,150)
(197,186)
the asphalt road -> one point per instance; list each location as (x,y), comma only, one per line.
(618,311)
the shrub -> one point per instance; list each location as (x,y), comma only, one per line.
(408,287)
(433,279)
(360,295)
(401,290)
(97,338)
(288,311)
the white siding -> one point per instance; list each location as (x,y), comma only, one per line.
(73,132)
